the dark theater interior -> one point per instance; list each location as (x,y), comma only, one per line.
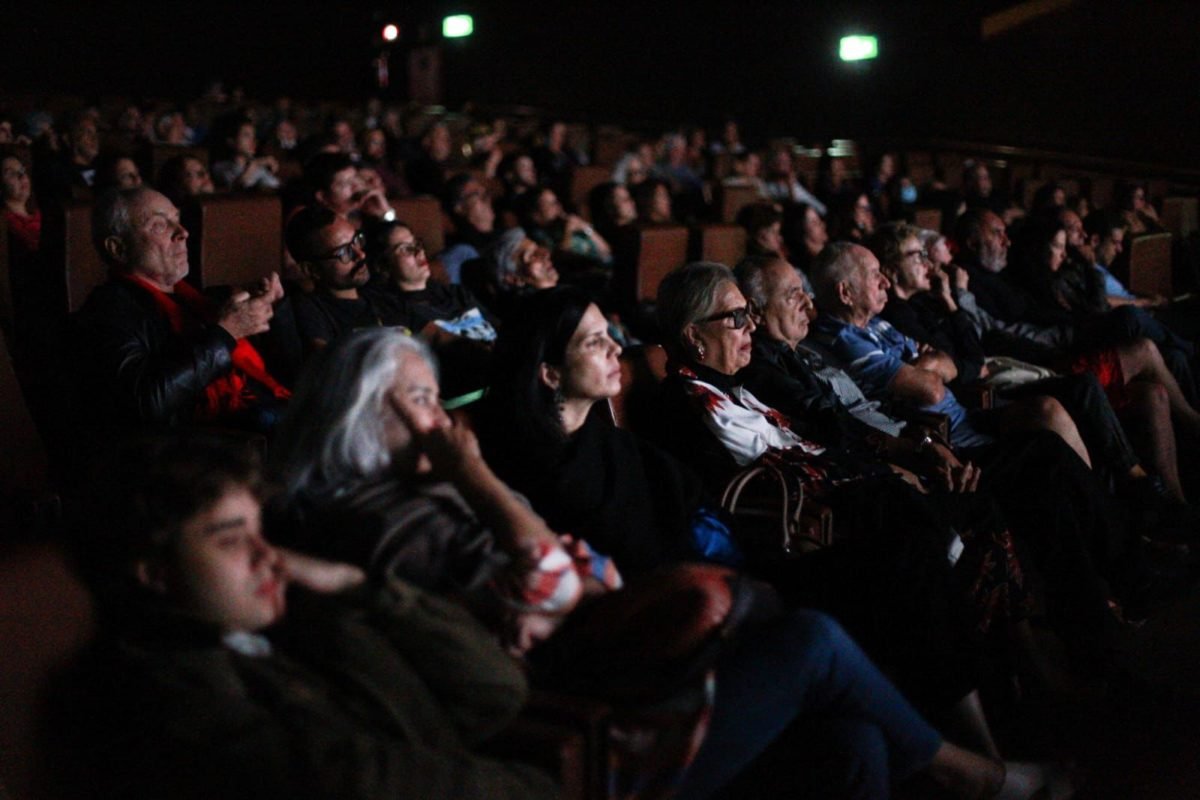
(600,401)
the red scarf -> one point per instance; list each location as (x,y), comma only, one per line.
(227,394)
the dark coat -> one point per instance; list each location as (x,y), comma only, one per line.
(381,692)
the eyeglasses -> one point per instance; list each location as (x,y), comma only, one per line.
(409,248)
(739,316)
(914,255)
(15,172)
(347,252)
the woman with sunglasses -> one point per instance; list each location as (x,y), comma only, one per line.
(546,430)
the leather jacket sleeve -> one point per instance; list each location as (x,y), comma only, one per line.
(141,370)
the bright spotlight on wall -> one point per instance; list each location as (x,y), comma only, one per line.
(390,33)
(858,48)
(458,26)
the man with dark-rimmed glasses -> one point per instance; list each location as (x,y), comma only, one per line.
(332,254)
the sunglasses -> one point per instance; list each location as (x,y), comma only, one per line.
(346,253)
(739,316)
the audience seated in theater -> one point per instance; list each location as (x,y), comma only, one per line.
(851,291)
(804,234)
(72,166)
(746,171)
(340,134)
(763,223)
(428,172)
(633,167)
(653,199)
(730,140)
(384,503)
(545,428)
(697,151)
(373,473)
(469,206)
(116,171)
(332,254)
(172,128)
(1115,350)
(979,192)
(883,185)
(923,305)
(1139,214)
(375,156)
(851,217)
(182,178)
(835,184)
(686,185)
(36,291)
(783,184)
(334,182)
(1030,475)
(447,316)
(565,234)
(21,214)
(1049,196)
(553,158)
(235,160)
(613,211)
(149,349)
(229,668)
(518,175)
(433,309)
(1098,240)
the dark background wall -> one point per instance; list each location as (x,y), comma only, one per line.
(1102,77)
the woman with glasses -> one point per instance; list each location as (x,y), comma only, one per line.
(546,430)
(447,315)
(895,539)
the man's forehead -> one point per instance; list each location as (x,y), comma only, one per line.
(152,204)
(337,231)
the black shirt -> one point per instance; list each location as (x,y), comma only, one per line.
(321,316)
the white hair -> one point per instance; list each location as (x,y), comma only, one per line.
(333,434)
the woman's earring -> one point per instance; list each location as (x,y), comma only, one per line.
(699,351)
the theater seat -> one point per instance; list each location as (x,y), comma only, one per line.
(423,216)
(721,242)
(240,238)
(68,246)
(6,297)
(583,180)
(660,249)
(735,198)
(45,620)
(1150,264)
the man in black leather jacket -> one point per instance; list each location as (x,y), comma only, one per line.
(151,350)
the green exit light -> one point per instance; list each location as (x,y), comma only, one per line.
(859,48)
(458,26)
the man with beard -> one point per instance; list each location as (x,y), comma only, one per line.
(331,254)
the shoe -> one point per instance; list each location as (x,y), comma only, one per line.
(1160,516)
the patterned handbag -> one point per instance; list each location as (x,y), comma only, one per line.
(772,519)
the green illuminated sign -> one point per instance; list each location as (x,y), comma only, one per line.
(458,26)
(859,48)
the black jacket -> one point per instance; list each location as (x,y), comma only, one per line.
(132,369)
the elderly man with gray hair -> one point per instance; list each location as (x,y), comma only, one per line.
(152,350)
